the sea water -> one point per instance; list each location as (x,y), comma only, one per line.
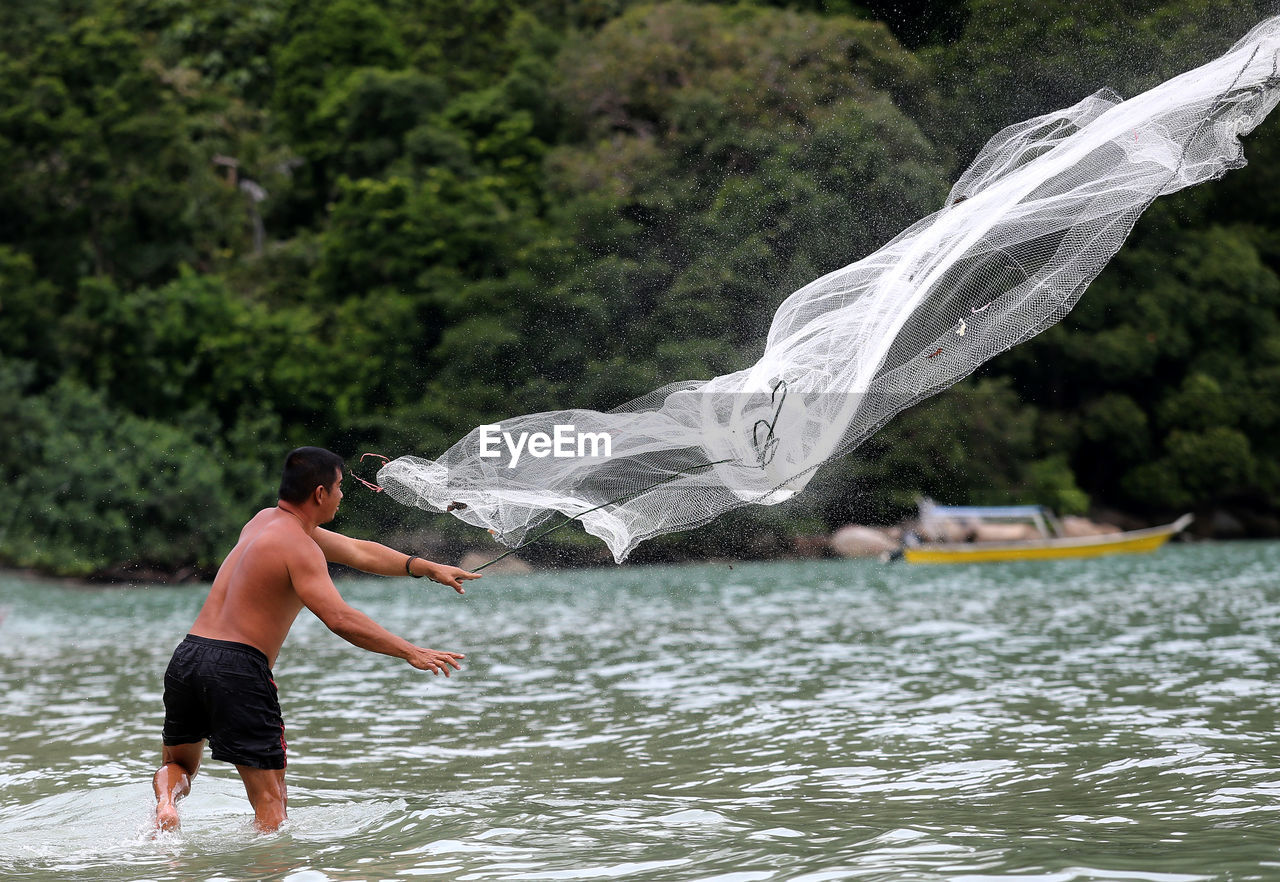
(822,720)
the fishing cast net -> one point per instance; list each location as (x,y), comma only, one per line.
(1044,206)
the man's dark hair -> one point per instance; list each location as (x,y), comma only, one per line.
(305,469)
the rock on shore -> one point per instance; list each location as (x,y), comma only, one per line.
(859,541)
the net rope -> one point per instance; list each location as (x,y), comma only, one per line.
(1040,211)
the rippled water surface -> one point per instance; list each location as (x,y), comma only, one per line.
(1106,719)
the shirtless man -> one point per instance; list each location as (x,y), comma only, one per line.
(218,684)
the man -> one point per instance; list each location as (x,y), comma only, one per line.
(218,684)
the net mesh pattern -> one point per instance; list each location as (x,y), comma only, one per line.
(1042,209)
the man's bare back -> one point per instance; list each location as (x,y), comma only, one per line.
(252,600)
(278,566)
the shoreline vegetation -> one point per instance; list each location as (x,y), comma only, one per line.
(232,228)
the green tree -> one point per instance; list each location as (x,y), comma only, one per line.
(102,174)
(725,157)
(118,489)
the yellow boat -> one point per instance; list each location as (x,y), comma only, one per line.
(1047,547)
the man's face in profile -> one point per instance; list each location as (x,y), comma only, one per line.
(331,499)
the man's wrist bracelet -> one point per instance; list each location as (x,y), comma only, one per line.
(408,566)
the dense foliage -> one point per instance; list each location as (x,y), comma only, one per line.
(232,227)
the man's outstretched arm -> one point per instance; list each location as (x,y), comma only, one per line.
(378,559)
(310,578)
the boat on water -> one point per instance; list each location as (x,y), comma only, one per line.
(1049,541)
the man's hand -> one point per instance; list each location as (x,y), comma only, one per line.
(451,576)
(433,660)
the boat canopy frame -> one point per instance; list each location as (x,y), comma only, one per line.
(1041,516)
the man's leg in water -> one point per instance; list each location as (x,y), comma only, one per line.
(267,796)
(173,780)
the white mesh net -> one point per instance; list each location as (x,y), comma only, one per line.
(1045,205)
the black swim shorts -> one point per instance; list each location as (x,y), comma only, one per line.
(223,691)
